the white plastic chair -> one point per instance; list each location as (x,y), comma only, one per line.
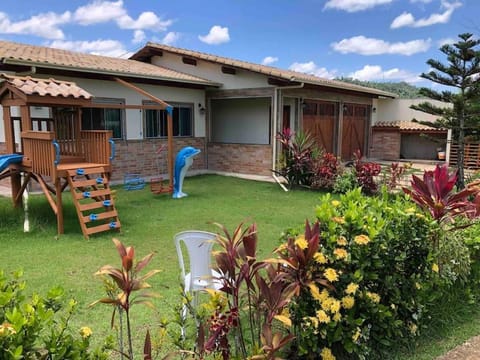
(200,276)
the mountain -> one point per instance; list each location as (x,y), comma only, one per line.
(402,89)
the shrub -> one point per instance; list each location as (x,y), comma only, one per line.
(38,327)
(299,153)
(365,173)
(326,171)
(374,252)
(345,182)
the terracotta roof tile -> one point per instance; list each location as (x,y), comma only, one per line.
(288,75)
(11,52)
(407,126)
(46,87)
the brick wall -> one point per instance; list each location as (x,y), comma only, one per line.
(240,158)
(385,145)
(140,156)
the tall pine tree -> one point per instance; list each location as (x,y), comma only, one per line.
(463,73)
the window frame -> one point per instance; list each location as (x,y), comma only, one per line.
(176,106)
(97,103)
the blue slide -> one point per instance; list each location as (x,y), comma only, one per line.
(6,160)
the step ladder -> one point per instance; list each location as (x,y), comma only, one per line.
(93,200)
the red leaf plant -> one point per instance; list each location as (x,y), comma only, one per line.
(435,194)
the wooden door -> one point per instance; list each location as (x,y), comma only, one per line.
(355,120)
(286,117)
(319,121)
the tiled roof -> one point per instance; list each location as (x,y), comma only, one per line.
(46,87)
(288,75)
(23,54)
(407,126)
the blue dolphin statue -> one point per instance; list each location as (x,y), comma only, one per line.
(183,161)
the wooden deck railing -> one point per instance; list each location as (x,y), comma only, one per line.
(95,145)
(38,149)
(472,155)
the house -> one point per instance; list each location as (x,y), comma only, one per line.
(229,109)
(400,132)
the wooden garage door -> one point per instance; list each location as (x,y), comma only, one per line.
(319,120)
(355,120)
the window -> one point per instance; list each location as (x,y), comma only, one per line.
(104,118)
(156,121)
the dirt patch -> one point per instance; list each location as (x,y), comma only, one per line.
(470,350)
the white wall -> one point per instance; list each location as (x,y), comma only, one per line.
(207,70)
(390,110)
(241,121)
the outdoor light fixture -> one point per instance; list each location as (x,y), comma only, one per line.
(201,109)
(374,110)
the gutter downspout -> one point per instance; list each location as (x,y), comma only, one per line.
(276,101)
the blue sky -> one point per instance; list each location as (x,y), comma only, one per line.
(378,40)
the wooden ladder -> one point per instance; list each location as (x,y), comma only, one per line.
(93,200)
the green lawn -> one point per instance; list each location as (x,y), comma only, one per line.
(149,223)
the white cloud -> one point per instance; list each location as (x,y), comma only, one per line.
(354,5)
(98,47)
(44,25)
(217,35)
(104,11)
(375,73)
(446,41)
(407,19)
(171,38)
(138,36)
(269,60)
(312,69)
(370,46)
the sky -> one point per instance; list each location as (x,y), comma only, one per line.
(370,40)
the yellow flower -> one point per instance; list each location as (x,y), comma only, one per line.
(323,317)
(357,334)
(85,332)
(348,302)
(413,328)
(435,268)
(320,258)
(373,296)
(327,303)
(342,241)
(418,286)
(326,354)
(361,239)
(324,295)
(315,292)
(301,242)
(7,329)
(335,306)
(330,274)
(410,210)
(338,220)
(337,317)
(340,253)
(310,321)
(335,203)
(351,289)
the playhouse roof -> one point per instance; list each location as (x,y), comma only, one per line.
(46,87)
(152,49)
(40,57)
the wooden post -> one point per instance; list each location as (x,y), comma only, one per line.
(8,126)
(58,190)
(170,145)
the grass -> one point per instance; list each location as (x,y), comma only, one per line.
(149,223)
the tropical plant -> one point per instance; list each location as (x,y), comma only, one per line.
(365,173)
(435,194)
(374,255)
(38,327)
(255,299)
(326,171)
(127,289)
(462,73)
(299,153)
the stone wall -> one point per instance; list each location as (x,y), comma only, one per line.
(240,158)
